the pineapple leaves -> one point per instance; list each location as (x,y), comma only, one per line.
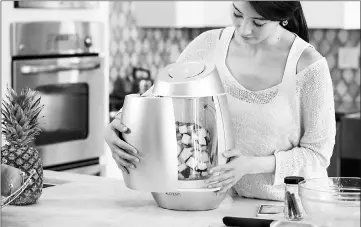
(26,125)
(9,98)
(4,132)
(18,128)
(4,114)
(12,131)
(35,104)
(6,117)
(11,92)
(34,115)
(20,114)
(35,128)
(22,121)
(5,108)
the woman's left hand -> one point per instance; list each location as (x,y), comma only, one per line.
(227,175)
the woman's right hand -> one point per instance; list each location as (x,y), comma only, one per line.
(123,153)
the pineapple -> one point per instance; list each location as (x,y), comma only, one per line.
(20,126)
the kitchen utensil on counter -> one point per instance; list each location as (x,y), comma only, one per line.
(180,132)
(140,73)
(258,222)
(247,222)
(142,79)
(332,201)
(144,85)
(136,80)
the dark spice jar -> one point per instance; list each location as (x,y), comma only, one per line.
(293,207)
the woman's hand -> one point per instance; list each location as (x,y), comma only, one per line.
(227,175)
(123,153)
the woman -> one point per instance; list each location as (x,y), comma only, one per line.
(280,96)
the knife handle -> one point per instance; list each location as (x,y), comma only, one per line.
(246,222)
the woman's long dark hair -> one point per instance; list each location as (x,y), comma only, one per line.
(281,11)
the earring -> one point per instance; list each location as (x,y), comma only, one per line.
(284,23)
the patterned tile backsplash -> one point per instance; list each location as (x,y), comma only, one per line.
(154,48)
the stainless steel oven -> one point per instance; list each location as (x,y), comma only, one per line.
(64,62)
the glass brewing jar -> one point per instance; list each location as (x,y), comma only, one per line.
(196,131)
(293,209)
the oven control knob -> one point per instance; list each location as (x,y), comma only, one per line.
(21,47)
(88,42)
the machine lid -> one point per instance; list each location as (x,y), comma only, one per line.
(184,71)
(189,79)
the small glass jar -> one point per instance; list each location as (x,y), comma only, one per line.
(293,207)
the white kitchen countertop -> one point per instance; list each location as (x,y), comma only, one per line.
(96,201)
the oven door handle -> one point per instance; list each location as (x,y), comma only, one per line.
(84,66)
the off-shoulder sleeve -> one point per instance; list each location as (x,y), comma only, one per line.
(201,48)
(318,127)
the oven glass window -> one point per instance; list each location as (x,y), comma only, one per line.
(65,113)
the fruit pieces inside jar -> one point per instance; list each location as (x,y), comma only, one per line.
(194,151)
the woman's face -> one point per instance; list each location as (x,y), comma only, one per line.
(250,26)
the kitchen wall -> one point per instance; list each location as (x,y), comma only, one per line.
(154,48)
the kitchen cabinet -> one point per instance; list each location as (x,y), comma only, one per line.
(346,157)
(333,169)
(182,13)
(332,14)
(319,14)
(350,147)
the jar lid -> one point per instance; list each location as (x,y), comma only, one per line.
(293,180)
